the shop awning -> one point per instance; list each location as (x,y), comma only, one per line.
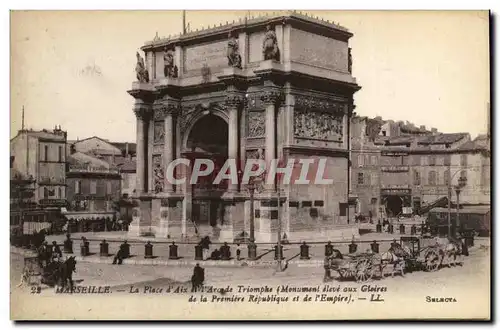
(77,216)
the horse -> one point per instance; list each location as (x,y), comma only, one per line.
(452,249)
(396,256)
(64,273)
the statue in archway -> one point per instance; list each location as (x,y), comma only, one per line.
(140,69)
(270,48)
(233,53)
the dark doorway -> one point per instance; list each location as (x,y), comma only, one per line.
(394,206)
(208,139)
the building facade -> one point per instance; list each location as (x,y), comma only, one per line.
(278,87)
(42,156)
(417,169)
(93,187)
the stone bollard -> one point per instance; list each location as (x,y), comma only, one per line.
(413,230)
(276,252)
(375,247)
(172,251)
(353,247)
(225,252)
(126,249)
(379,227)
(402,229)
(104,248)
(148,250)
(304,251)
(252,251)
(328,249)
(84,247)
(68,245)
(198,252)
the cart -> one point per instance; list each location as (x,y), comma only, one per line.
(425,253)
(358,266)
(32,272)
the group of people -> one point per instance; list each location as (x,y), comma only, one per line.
(49,254)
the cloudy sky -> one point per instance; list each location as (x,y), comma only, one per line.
(73,68)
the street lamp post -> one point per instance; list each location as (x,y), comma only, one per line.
(252,247)
(280,268)
(462,181)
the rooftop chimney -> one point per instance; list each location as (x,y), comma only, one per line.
(422,127)
(126,149)
(434,130)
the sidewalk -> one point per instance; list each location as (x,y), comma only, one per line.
(265,252)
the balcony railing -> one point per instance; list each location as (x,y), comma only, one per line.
(52,202)
(395,168)
(90,169)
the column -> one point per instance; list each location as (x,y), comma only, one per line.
(150,143)
(168,152)
(140,113)
(233,103)
(269,98)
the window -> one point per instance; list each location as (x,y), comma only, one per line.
(423,160)
(446,177)
(432,178)
(361,160)
(463,174)
(374,160)
(447,161)
(343,209)
(416,178)
(360,178)
(93,187)
(108,188)
(432,160)
(78,187)
(46,153)
(42,193)
(384,133)
(373,201)
(60,154)
(367,178)
(463,160)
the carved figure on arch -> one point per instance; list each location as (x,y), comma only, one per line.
(233,53)
(170,69)
(140,69)
(158,174)
(270,48)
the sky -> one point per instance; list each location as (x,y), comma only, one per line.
(73,69)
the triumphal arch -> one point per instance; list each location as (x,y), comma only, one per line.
(274,87)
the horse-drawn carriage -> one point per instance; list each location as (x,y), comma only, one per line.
(51,272)
(409,254)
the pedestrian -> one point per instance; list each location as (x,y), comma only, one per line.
(121,254)
(198,278)
(238,252)
(56,251)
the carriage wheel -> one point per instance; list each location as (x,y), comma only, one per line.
(364,270)
(431,261)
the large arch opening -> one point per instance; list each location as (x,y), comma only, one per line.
(208,139)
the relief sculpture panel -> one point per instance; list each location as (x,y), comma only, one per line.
(159,132)
(158,173)
(318,125)
(256,124)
